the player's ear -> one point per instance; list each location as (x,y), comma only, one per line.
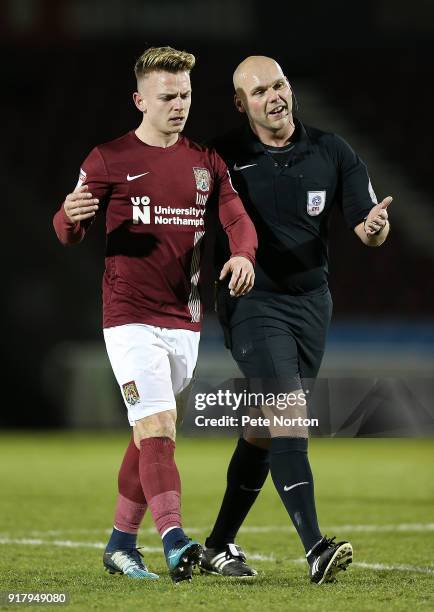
(239,104)
(139,101)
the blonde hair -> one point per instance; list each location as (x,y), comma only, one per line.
(163,58)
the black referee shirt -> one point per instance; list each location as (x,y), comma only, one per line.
(289,194)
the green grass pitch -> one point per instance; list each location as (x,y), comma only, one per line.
(56,507)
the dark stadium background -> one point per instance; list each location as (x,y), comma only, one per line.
(67,80)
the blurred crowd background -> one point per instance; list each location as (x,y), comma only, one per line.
(362,69)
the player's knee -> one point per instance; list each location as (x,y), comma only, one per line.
(160,425)
(136,438)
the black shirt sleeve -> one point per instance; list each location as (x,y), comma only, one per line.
(355,194)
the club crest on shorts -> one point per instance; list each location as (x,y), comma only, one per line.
(202,178)
(130,393)
(315,202)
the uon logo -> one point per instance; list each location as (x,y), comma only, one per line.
(141,209)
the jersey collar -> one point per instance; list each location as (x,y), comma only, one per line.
(252,143)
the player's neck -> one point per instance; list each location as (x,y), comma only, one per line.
(154,138)
(278,138)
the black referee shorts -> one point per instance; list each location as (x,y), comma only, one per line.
(276,335)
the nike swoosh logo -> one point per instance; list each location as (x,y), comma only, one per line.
(297,484)
(236,167)
(171,556)
(136,176)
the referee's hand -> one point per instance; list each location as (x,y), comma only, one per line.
(377,218)
(243,275)
(80,205)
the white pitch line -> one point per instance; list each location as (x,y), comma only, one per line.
(400,527)
(400,567)
(351,528)
(67,544)
(253,557)
(383,528)
(259,557)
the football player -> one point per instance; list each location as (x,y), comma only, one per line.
(154,186)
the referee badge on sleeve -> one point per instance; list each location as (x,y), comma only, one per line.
(315,202)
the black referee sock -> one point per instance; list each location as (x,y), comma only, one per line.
(247,472)
(292,477)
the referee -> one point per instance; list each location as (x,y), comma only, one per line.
(289,177)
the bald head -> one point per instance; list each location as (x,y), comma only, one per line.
(255,69)
(263,93)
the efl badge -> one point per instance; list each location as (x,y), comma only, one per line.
(81,178)
(315,202)
(202,178)
(130,393)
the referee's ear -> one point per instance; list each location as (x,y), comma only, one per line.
(239,104)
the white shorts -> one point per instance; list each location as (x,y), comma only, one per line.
(151,365)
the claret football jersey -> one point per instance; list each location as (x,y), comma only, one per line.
(155,200)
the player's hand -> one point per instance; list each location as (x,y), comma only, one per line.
(243,275)
(80,205)
(377,218)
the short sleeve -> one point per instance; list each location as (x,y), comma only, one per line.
(356,194)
